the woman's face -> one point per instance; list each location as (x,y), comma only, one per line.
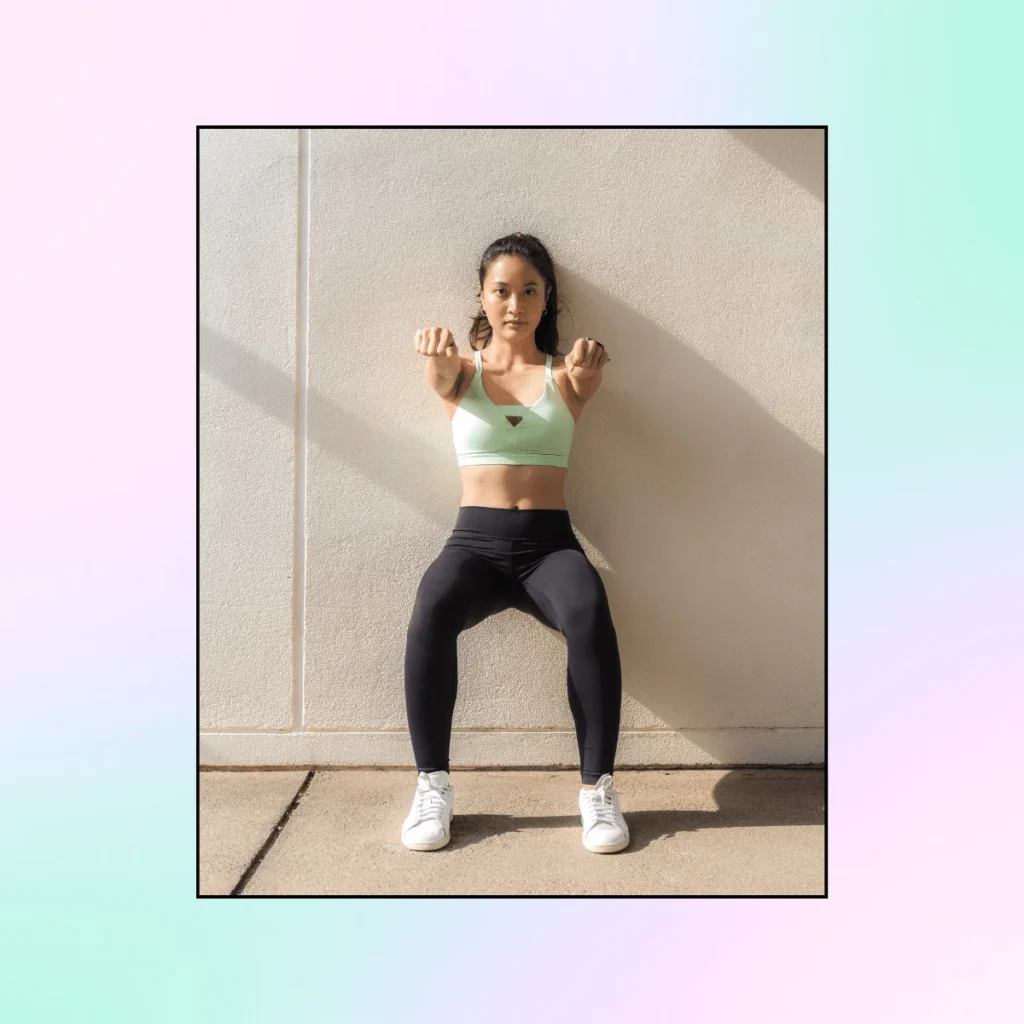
(513,290)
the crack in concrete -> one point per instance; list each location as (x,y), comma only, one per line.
(272,838)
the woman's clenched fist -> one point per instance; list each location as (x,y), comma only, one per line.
(437,345)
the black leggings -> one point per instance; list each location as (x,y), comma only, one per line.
(529,559)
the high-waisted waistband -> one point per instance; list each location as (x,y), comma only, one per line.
(514,522)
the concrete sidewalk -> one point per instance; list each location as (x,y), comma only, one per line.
(713,832)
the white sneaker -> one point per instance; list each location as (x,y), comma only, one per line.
(428,824)
(604,827)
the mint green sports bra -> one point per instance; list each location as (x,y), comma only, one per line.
(512,435)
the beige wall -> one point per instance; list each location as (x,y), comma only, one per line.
(328,477)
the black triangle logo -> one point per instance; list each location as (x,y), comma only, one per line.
(514,420)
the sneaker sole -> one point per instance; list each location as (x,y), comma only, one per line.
(427,846)
(611,848)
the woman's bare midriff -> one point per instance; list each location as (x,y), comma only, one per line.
(497,486)
(513,486)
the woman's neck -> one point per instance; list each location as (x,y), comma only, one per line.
(503,358)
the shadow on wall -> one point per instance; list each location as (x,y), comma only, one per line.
(798,152)
(710,514)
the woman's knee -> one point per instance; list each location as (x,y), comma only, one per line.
(434,610)
(444,593)
(584,608)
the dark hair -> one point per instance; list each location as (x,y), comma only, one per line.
(531,249)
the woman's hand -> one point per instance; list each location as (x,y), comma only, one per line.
(437,346)
(585,359)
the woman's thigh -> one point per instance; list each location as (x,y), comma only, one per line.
(567,590)
(460,589)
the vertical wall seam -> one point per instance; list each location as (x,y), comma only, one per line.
(301,407)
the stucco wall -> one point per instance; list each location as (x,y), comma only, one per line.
(328,477)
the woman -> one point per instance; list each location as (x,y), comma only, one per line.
(513,407)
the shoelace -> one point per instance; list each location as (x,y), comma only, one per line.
(429,804)
(598,806)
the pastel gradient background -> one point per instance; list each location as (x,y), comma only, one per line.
(100,919)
